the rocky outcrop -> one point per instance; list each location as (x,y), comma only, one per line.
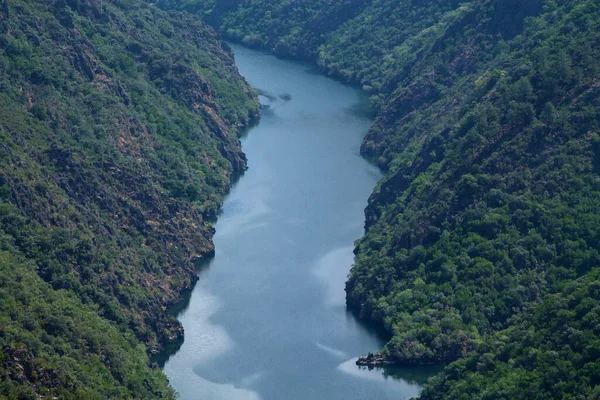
(373,361)
(118,140)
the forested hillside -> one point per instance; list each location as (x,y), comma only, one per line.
(118,138)
(482,241)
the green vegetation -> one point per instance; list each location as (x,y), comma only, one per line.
(492,205)
(482,239)
(550,351)
(290,28)
(118,137)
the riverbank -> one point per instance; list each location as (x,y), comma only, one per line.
(268,314)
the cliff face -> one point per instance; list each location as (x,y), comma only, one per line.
(487,129)
(118,137)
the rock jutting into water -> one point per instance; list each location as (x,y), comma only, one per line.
(372,360)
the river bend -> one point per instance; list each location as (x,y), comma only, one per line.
(267,319)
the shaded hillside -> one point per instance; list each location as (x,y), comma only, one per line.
(552,351)
(487,126)
(294,29)
(118,138)
(490,202)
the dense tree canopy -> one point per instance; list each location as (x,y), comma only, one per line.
(550,351)
(118,137)
(484,231)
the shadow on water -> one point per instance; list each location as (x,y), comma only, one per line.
(177,309)
(168,350)
(376,330)
(372,160)
(202,265)
(234,179)
(243,132)
(359,110)
(413,375)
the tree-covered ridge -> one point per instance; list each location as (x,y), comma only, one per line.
(289,28)
(491,201)
(372,43)
(551,351)
(491,205)
(56,346)
(488,128)
(118,138)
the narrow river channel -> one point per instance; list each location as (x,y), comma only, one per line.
(267,319)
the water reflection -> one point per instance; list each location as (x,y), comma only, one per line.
(407,387)
(268,318)
(332,271)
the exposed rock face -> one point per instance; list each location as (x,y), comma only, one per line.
(487,129)
(118,139)
(372,361)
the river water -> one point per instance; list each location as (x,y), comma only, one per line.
(267,319)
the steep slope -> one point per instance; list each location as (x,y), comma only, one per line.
(490,202)
(294,29)
(118,137)
(552,351)
(487,125)
(344,37)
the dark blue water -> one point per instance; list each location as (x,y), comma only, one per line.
(267,320)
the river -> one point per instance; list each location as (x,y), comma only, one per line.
(267,319)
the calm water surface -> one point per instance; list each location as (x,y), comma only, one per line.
(267,320)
